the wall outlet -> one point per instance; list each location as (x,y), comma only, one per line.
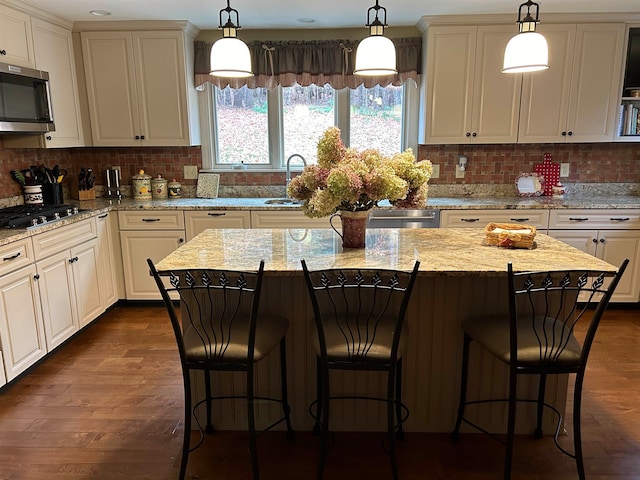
(435,173)
(459,172)
(117,167)
(565,169)
(190,172)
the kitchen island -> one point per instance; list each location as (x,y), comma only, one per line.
(459,276)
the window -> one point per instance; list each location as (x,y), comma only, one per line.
(261,128)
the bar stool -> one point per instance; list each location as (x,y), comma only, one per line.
(219,329)
(359,318)
(537,338)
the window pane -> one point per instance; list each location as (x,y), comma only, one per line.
(376,118)
(308,112)
(241,119)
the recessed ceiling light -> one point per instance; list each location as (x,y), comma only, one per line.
(100,13)
(305,20)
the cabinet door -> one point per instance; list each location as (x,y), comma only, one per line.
(496,96)
(54,54)
(160,78)
(613,247)
(196,222)
(107,263)
(58,298)
(15,38)
(545,94)
(111,88)
(597,65)
(21,331)
(85,281)
(585,240)
(137,246)
(450,70)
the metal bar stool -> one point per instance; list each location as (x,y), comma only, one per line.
(220,329)
(538,338)
(359,318)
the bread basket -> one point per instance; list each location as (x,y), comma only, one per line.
(510,235)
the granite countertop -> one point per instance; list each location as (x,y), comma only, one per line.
(443,251)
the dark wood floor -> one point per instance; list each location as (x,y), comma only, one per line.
(108,405)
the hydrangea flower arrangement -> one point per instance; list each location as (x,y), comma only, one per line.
(345,179)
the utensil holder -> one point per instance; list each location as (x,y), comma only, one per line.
(52,194)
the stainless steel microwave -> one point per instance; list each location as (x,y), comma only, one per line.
(25,100)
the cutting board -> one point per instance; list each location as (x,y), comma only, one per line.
(550,171)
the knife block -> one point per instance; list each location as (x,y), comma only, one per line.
(78,194)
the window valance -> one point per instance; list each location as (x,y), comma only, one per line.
(311,62)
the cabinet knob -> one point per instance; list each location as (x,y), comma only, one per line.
(564,134)
(570,133)
(474,134)
(602,240)
(595,240)
(137,137)
(3,52)
(181,240)
(141,137)
(36,277)
(468,134)
(48,137)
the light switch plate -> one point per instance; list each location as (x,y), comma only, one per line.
(435,171)
(459,172)
(565,169)
(190,172)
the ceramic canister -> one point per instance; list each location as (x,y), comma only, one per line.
(159,188)
(175,189)
(33,195)
(141,186)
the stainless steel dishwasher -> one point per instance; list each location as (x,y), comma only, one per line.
(399,218)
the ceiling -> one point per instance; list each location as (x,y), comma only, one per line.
(257,14)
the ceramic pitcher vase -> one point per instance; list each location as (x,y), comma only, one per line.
(354,228)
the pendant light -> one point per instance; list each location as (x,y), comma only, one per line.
(230,56)
(376,54)
(528,50)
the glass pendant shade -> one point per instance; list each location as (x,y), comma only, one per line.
(376,55)
(230,57)
(526,52)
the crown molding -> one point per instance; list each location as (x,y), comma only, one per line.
(129,25)
(37,13)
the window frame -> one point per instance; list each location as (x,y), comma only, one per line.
(342,119)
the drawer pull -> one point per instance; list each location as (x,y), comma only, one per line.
(103,216)
(521,220)
(578,219)
(470,220)
(12,257)
(150,219)
(620,219)
(216,214)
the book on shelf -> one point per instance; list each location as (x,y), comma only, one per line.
(630,121)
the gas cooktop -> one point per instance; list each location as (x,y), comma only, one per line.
(29,216)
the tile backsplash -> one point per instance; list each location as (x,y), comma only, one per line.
(487,164)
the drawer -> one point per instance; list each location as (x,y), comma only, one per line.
(538,218)
(62,238)
(286,219)
(16,255)
(151,220)
(614,219)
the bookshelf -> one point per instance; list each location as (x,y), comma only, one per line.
(629,111)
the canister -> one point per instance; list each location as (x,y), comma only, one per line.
(33,194)
(175,189)
(159,188)
(141,186)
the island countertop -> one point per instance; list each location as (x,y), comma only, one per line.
(442,252)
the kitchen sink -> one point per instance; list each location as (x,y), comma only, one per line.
(282,201)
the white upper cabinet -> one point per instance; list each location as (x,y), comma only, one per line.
(54,54)
(576,99)
(468,99)
(140,88)
(16,44)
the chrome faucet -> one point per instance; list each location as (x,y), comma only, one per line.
(288,174)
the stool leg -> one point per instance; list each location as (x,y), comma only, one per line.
(324,423)
(577,436)
(398,399)
(511,422)
(286,409)
(207,387)
(316,427)
(541,391)
(253,453)
(391,384)
(463,386)
(186,439)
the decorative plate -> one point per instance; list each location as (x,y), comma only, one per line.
(529,185)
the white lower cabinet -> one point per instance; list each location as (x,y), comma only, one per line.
(538,218)
(611,235)
(109,265)
(22,334)
(286,219)
(198,220)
